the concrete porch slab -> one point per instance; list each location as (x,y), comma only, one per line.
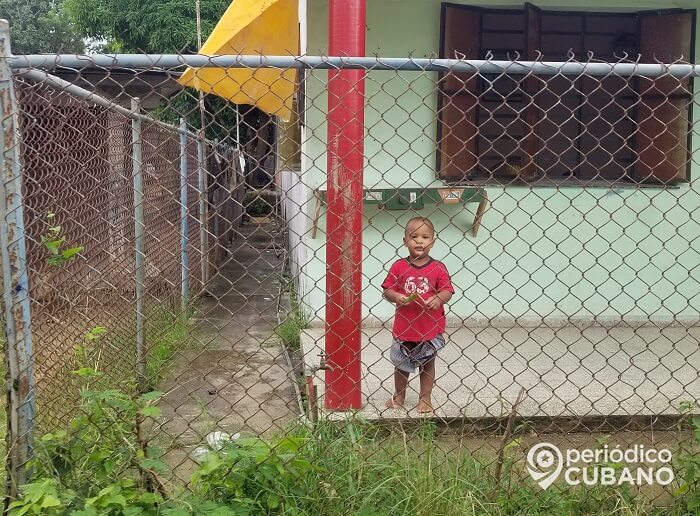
(567,372)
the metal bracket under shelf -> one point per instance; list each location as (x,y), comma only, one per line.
(413,198)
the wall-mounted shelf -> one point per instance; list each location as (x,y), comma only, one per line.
(413,198)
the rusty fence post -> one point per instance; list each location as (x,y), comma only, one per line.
(18,335)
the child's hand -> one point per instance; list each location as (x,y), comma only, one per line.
(433,303)
(403,300)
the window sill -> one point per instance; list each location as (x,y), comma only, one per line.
(569,183)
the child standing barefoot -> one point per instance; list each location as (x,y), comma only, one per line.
(419,287)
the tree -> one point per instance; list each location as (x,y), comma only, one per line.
(165,27)
(40,26)
(152,26)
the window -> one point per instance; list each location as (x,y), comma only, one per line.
(556,128)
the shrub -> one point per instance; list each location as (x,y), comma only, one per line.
(260,203)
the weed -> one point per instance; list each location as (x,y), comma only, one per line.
(167,334)
(54,244)
(259,203)
(427,431)
(296,320)
(687,459)
(95,467)
(254,476)
(95,464)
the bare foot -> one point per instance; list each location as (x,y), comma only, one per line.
(395,401)
(425,406)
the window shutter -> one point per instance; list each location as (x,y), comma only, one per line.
(533,43)
(458,93)
(663,111)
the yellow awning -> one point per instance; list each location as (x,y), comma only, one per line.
(251,27)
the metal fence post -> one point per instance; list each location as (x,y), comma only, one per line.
(184,234)
(139,248)
(18,347)
(202,185)
(344,213)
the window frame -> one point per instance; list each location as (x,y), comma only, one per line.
(630,179)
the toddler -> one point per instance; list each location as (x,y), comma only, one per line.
(419,287)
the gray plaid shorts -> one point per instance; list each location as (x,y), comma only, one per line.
(407,356)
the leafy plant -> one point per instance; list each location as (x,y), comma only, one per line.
(254,476)
(99,444)
(688,459)
(334,468)
(95,465)
(98,463)
(132,26)
(427,431)
(99,466)
(54,244)
(87,354)
(40,497)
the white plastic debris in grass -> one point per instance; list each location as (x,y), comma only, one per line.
(215,441)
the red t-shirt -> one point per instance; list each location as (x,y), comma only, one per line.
(415,322)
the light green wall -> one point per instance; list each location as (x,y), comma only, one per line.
(541,252)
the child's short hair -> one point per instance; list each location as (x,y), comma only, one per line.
(423,220)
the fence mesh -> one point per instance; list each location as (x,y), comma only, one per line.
(77,182)
(563,205)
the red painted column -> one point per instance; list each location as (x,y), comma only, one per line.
(346,99)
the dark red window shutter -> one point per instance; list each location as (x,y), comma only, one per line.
(533,44)
(458,94)
(662,113)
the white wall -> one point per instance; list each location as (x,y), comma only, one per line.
(295,206)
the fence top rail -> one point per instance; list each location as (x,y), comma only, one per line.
(539,67)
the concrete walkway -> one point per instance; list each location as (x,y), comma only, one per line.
(236,377)
(565,371)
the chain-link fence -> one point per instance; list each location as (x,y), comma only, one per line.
(560,194)
(77,167)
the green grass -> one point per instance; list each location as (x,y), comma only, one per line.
(356,469)
(296,320)
(363,472)
(167,335)
(352,468)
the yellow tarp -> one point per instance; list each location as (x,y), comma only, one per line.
(251,27)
